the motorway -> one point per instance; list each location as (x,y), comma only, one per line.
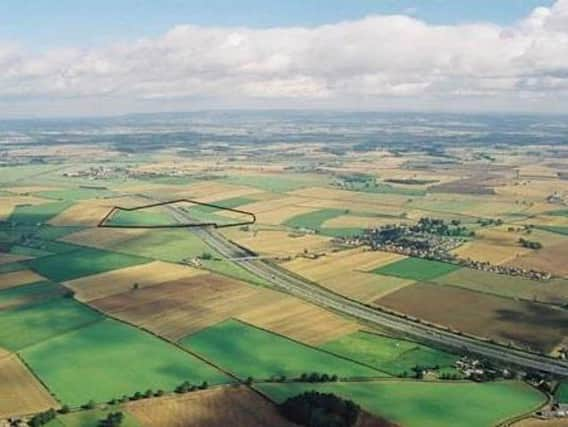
(285,281)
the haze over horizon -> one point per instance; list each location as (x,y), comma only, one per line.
(184,56)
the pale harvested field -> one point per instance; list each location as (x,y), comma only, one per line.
(271,205)
(16,278)
(181,307)
(278,243)
(495,254)
(500,236)
(209,191)
(9,203)
(20,392)
(351,197)
(90,212)
(552,258)
(356,206)
(218,407)
(330,265)
(9,258)
(560,221)
(366,287)
(533,189)
(103,238)
(118,281)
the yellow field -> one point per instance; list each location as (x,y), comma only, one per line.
(9,258)
(103,238)
(278,243)
(16,278)
(217,407)
(27,189)
(20,392)
(489,252)
(296,319)
(534,422)
(209,191)
(9,203)
(122,280)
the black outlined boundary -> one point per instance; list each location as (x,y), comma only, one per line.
(103,222)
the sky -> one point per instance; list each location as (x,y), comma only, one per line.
(106,57)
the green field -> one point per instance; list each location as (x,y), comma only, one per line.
(77,194)
(29,293)
(25,326)
(562,392)
(91,419)
(558,229)
(416,269)
(37,214)
(276,183)
(141,217)
(28,251)
(389,354)
(249,351)
(428,404)
(109,359)
(82,262)
(10,267)
(314,220)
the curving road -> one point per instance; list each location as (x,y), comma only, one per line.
(287,282)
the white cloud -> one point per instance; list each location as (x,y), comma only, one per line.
(378,59)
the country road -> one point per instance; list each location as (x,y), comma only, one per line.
(285,281)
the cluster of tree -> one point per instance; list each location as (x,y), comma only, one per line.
(530,244)
(313,409)
(42,418)
(186,387)
(114,419)
(440,227)
(137,396)
(484,222)
(315,377)
(450,376)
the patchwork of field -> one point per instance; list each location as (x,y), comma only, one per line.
(17,278)
(394,356)
(108,359)
(218,407)
(20,392)
(346,272)
(278,243)
(178,308)
(428,404)
(537,326)
(89,213)
(123,280)
(8,204)
(235,346)
(32,215)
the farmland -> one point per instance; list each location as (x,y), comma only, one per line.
(114,360)
(89,312)
(423,404)
(280,356)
